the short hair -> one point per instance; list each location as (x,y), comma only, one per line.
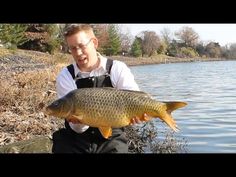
(75,28)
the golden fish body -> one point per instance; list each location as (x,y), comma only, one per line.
(108,108)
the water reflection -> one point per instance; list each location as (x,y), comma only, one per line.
(209,121)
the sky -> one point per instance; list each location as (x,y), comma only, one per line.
(222,33)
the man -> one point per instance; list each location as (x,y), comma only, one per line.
(90,69)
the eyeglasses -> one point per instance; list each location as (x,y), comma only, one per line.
(79,46)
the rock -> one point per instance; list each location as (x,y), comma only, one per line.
(36,145)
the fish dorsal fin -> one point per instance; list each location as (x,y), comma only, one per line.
(137,92)
(105,131)
(134,91)
(131,91)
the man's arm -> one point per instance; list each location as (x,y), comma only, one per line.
(64,83)
(122,78)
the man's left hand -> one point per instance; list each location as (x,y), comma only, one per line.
(137,120)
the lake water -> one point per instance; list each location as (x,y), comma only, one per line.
(208,122)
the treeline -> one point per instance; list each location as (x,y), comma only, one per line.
(185,43)
(39,37)
(113,41)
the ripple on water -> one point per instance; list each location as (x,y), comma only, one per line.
(208,122)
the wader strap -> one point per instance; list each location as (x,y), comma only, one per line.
(109,65)
(71,70)
(108,68)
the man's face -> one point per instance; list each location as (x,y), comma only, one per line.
(83,49)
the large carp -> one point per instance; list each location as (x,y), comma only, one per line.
(107,108)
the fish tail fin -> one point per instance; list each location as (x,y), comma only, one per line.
(167,117)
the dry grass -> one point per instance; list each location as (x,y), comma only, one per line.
(147,138)
(26,89)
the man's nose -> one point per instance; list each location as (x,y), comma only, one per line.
(78,51)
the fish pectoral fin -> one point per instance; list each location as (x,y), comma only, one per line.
(78,117)
(105,131)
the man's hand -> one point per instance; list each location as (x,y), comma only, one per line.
(138,120)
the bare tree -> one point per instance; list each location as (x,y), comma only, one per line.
(213,50)
(101,32)
(150,42)
(166,36)
(188,36)
(232,51)
(126,39)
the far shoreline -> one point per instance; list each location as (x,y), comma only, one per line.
(132,61)
(11,57)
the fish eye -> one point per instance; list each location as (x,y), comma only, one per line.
(56,103)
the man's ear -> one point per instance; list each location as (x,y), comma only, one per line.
(95,42)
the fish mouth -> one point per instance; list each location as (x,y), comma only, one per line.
(47,111)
